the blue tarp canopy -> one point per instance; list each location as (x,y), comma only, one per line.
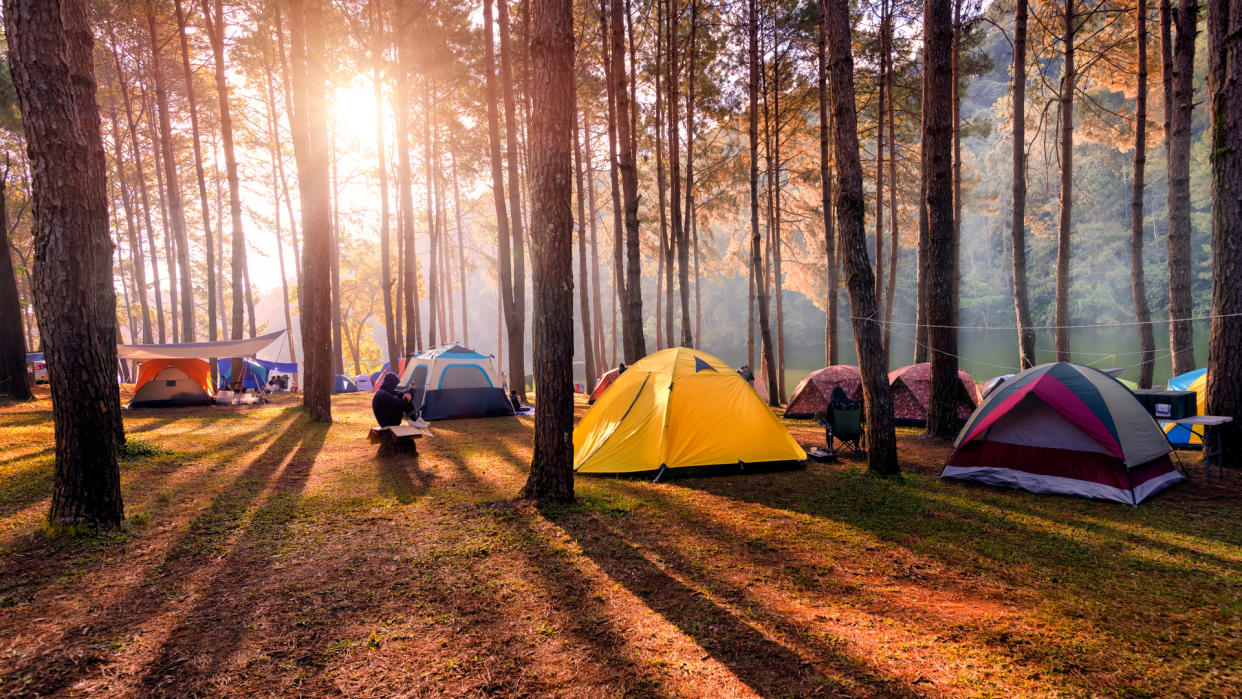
(279,367)
(254,374)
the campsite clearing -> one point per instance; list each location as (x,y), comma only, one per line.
(266,554)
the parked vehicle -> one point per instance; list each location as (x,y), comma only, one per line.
(36,365)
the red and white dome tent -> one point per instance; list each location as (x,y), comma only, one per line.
(1068,429)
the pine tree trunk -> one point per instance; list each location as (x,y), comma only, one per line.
(170,257)
(881,437)
(618,235)
(1224,387)
(551,194)
(13,382)
(677,232)
(1021,300)
(893,249)
(208,245)
(1138,286)
(274,138)
(215,31)
(461,252)
(584,275)
(135,248)
(880,114)
(597,299)
(756,261)
(774,238)
(50,58)
(433,267)
(316,217)
(1068,75)
(516,321)
(825,179)
(172,182)
(688,335)
(504,260)
(663,321)
(136,152)
(377,68)
(632,316)
(946,389)
(920,306)
(1181,303)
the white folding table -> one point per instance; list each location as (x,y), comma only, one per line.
(1206,421)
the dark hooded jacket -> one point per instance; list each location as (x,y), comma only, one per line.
(388,406)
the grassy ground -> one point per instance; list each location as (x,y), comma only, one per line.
(268,555)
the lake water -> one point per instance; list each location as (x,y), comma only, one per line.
(988,353)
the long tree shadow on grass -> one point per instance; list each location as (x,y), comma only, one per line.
(62,661)
(1114,586)
(213,628)
(767,666)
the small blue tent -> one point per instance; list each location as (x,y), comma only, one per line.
(1179,435)
(254,374)
(341,384)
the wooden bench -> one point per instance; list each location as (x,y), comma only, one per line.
(399,439)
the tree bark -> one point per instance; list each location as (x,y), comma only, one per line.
(881,437)
(946,389)
(1224,382)
(517,320)
(825,179)
(274,137)
(215,31)
(688,335)
(551,189)
(135,247)
(893,249)
(313,173)
(504,259)
(403,169)
(50,57)
(1138,286)
(664,271)
(172,183)
(597,299)
(13,382)
(1068,75)
(676,242)
(170,256)
(1181,109)
(1021,299)
(408,296)
(632,316)
(208,245)
(433,265)
(136,150)
(756,259)
(584,276)
(881,112)
(461,251)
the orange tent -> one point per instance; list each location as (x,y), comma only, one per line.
(166,383)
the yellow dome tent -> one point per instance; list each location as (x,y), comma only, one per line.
(679,408)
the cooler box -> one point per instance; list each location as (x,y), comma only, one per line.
(1168,405)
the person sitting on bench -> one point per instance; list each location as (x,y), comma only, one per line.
(390,408)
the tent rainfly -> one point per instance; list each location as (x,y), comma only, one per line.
(1068,429)
(679,408)
(453,381)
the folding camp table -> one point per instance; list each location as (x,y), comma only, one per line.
(392,439)
(1206,421)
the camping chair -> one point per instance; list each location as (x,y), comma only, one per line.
(843,423)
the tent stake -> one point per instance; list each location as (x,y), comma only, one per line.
(659,474)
